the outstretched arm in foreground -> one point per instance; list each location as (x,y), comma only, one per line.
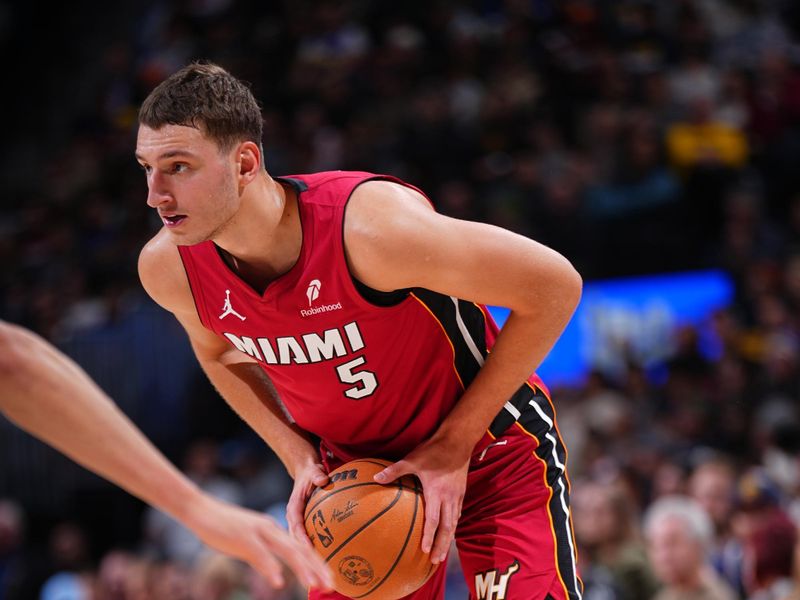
(48,395)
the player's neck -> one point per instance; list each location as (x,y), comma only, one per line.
(264,238)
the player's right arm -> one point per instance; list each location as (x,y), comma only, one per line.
(238,379)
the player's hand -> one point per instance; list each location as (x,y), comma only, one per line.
(306,478)
(442,470)
(257,540)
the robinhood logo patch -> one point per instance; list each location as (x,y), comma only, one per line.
(312,293)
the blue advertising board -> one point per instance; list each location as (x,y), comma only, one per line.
(633,317)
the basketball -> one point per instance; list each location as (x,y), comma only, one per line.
(370,534)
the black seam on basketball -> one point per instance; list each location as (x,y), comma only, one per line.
(372,462)
(368,523)
(364,460)
(398,485)
(403,549)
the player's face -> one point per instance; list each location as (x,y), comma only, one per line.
(190,182)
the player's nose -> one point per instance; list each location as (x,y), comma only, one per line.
(157,193)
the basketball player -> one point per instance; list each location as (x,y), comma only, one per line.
(341,305)
(49,396)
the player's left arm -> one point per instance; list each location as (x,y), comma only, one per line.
(394,240)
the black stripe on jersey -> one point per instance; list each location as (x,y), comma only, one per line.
(298,184)
(538,418)
(520,400)
(560,518)
(467,365)
(377,297)
(444,309)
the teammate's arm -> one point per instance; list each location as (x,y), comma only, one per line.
(238,379)
(394,240)
(48,395)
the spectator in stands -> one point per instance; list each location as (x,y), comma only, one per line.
(712,485)
(606,530)
(678,534)
(770,549)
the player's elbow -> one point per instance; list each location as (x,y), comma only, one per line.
(557,276)
(554,286)
(571,285)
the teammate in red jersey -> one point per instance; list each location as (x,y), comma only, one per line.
(342,305)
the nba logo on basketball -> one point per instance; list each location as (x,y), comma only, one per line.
(487,589)
(323,533)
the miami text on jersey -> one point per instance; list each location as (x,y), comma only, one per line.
(304,349)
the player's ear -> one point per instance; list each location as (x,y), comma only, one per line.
(249,161)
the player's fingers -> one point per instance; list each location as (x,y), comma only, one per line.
(298,555)
(321,477)
(392,472)
(311,570)
(270,569)
(432,510)
(298,533)
(448,522)
(315,573)
(294,517)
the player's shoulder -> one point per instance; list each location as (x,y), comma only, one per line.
(159,252)
(384,198)
(383,224)
(383,211)
(162,274)
(325,180)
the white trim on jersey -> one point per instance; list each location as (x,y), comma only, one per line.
(562,495)
(473,347)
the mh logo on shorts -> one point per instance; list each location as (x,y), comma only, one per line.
(487,589)
(312,293)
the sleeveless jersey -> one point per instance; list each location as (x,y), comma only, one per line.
(368,379)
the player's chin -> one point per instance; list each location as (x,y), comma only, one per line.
(184,236)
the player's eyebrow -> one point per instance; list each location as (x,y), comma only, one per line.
(169,154)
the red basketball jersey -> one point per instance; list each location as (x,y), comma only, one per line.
(369,379)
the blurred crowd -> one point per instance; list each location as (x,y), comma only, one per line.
(633,136)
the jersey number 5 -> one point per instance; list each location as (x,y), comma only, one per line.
(365,381)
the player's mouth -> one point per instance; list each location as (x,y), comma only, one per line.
(172,220)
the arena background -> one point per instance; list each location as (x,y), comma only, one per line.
(638,138)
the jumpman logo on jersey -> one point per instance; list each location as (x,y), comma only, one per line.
(227,308)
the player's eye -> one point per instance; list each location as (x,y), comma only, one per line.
(179,167)
(146,168)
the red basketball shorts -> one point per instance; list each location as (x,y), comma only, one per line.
(514,538)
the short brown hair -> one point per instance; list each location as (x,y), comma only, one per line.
(207,97)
